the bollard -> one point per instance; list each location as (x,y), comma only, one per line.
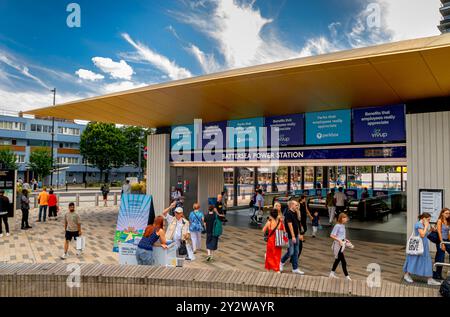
(115,199)
(78,200)
(96,200)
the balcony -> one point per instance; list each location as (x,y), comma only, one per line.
(445,9)
(444,27)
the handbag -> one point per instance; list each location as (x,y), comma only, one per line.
(81,243)
(434,237)
(281,238)
(267,235)
(414,245)
(182,249)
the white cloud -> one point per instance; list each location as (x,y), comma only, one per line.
(159,61)
(88,75)
(26,100)
(121,86)
(409,19)
(238,30)
(207,62)
(117,70)
(24,70)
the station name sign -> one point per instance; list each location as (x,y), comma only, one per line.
(268,155)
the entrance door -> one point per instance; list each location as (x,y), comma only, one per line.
(185,179)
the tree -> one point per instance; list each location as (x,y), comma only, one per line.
(7,159)
(103,145)
(135,137)
(41,163)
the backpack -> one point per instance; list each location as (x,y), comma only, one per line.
(217,229)
(445,288)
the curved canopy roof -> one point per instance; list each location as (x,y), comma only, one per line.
(379,75)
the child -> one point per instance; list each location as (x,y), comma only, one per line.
(315,223)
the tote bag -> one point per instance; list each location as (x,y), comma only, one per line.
(414,246)
(281,238)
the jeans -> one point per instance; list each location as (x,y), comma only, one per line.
(440,258)
(144,257)
(331,213)
(292,253)
(4,218)
(42,211)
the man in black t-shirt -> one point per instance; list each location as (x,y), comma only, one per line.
(293,229)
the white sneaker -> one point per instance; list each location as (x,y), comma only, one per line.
(7,234)
(333,275)
(64,256)
(348,278)
(408,278)
(79,252)
(433,282)
(297,271)
(281,266)
(1,235)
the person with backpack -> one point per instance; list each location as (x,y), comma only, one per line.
(420,264)
(213,232)
(196,220)
(273,252)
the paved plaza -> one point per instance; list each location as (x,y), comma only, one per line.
(239,248)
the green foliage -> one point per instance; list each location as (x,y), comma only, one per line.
(104,146)
(135,137)
(41,163)
(7,159)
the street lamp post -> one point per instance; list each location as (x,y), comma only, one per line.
(53,138)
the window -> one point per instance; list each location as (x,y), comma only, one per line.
(9,125)
(41,128)
(68,131)
(20,159)
(68,160)
(14,142)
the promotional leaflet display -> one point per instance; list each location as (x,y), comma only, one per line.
(247,133)
(8,184)
(331,127)
(432,202)
(135,213)
(290,130)
(379,124)
(215,135)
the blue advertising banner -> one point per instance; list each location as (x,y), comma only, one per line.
(246,133)
(212,132)
(291,129)
(331,127)
(135,213)
(182,137)
(379,124)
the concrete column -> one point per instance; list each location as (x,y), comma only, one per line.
(158,171)
(210,184)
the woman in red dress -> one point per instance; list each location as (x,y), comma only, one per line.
(273,253)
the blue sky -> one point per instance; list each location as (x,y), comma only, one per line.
(127,44)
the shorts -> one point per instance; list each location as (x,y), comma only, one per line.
(71,235)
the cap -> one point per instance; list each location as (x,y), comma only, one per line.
(179,210)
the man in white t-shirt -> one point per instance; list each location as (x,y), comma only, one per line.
(340,201)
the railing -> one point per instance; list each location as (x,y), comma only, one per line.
(64,199)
